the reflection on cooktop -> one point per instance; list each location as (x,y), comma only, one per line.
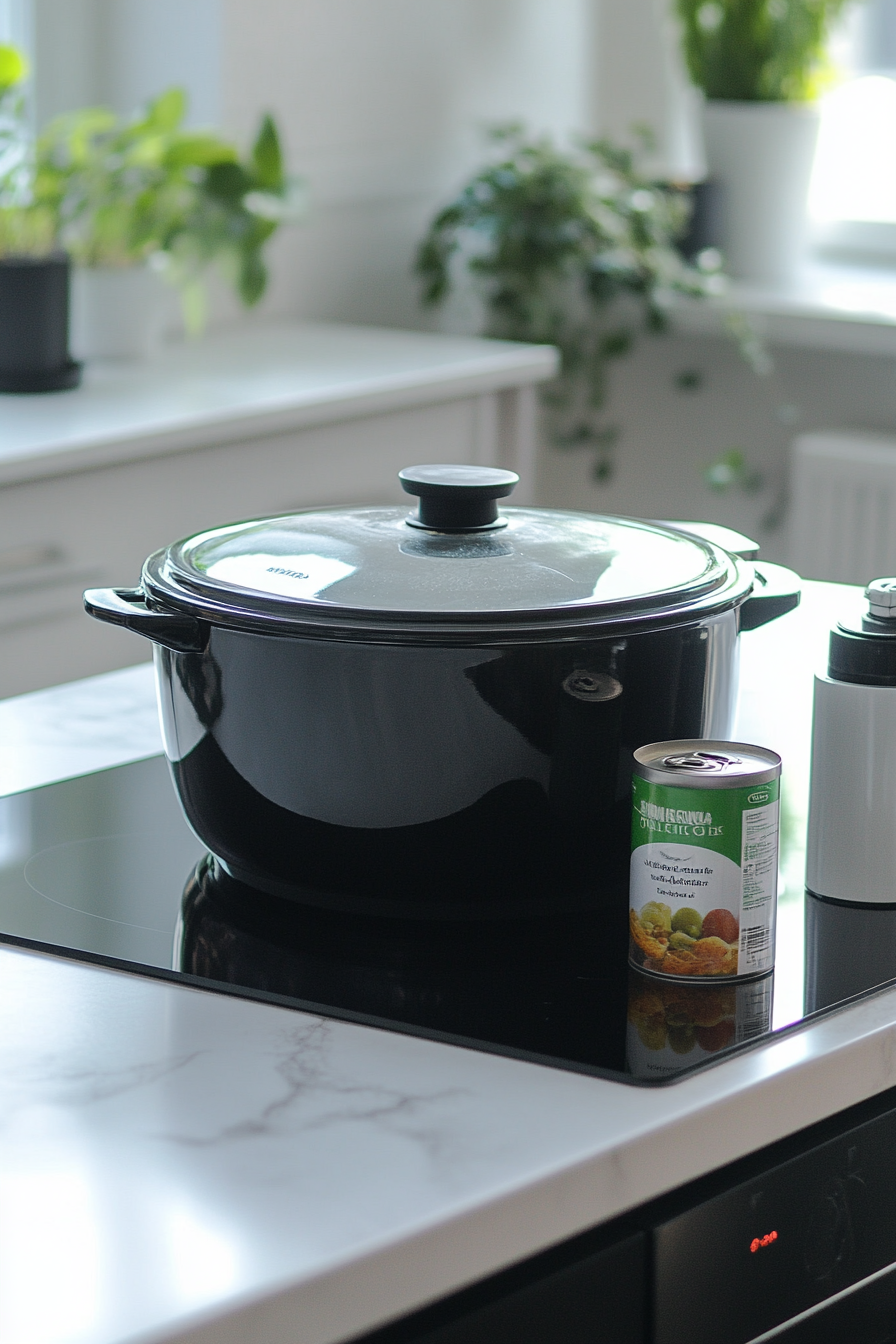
(848,948)
(546,987)
(97,865)
(558,990)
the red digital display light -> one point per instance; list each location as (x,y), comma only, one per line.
(758,1242)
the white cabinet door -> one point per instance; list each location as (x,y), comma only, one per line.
(61,534)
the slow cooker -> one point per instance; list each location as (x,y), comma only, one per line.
(433,714)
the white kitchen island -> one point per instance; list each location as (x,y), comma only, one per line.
(246,423)
(182,1165)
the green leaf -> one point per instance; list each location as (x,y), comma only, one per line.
(555,241)
(253,277)
(267,159)
(166,112)
(194,306)
(756,50)
(732,471)
(227,182)
(199,149)
(13,67)
(616,344)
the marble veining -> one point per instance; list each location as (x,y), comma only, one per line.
(51,1081)
(314,1097)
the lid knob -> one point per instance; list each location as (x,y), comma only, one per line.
(864,652)
(455,498)
(881,595)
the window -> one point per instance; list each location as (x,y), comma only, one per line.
(15,23)
(853,195)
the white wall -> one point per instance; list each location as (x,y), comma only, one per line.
(123,52)
(151,46)
(381,105)
(640,77)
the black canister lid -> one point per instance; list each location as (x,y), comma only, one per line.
(866,654)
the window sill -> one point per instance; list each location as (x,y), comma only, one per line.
(830,306)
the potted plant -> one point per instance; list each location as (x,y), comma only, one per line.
(142,196)
(575,248)
(34,273)
(759,64)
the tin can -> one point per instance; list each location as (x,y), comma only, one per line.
(674,1026)
(704,867)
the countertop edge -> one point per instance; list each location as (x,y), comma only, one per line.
(378,395)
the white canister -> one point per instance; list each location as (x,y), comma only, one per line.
(851,853)
(762,153)
(118,312)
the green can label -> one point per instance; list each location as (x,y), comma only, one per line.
(704,874)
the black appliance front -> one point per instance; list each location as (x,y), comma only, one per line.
(591,1290)
(795,1244)
(775,1238)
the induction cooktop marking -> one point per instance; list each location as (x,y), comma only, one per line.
(80,847)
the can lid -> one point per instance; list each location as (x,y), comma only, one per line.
(706,764)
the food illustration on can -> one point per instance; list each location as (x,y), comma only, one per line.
(704,858)
(675,1025)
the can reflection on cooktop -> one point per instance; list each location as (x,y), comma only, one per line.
(105,866)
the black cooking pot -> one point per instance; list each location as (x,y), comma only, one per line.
(435,714)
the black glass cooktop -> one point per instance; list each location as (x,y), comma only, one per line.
(104,867)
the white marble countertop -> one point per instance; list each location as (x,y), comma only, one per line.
(256,379)
(185,1166)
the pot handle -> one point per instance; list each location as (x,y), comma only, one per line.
(729,540)
(127,606)
(776,591)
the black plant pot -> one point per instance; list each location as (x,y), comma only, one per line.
(34,325)
(706,225)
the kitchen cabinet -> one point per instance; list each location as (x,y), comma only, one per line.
(260,421)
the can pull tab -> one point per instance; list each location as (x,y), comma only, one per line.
(700,761)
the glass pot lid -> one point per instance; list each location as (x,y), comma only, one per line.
(457,560)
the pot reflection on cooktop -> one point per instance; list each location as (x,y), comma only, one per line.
(547,987)
(96,867)
(559,990)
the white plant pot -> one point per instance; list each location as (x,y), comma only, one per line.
(762,154)
(117,312)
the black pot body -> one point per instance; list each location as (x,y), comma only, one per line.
(431,780)
(34,305)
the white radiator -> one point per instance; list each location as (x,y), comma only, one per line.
(843,506)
